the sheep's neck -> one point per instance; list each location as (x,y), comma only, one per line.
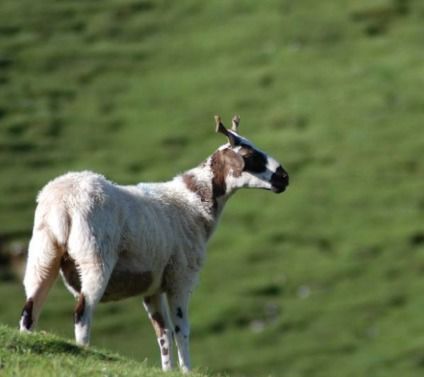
(208,182)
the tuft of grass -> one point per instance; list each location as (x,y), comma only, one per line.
(41,354)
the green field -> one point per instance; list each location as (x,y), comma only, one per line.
(325,280)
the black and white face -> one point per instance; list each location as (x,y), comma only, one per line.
(258,170)
(247,166)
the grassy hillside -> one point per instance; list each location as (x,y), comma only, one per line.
(46,355)
(327,277)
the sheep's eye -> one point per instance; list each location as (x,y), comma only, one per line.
(254,161)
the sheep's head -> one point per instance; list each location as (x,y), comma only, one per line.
(242,164)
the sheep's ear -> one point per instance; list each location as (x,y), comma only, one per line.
(235,123)
(220,128)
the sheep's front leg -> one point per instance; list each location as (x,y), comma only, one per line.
(156,308)
(178,307)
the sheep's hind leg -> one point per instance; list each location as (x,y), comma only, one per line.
(94,279)
(157,309)
(41,272)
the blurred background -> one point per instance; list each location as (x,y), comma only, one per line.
(324,280)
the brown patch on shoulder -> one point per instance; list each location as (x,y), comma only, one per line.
(219,186)
(79,309)
(158,324)
(222,162)
(123,284)
(27,314)
(202,190)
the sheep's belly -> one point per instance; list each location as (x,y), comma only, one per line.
(123,284)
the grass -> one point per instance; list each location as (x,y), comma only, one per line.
(326,277)
(43,354)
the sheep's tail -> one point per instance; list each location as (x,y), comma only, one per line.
(45,252)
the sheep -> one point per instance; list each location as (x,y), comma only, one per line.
(110,242)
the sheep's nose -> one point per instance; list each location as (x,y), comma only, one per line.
(279,180)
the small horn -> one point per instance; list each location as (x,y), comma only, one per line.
(235,123)
(219,126)
(221,129)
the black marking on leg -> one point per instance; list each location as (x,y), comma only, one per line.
(162,342)
(179,313)
(79,309)
(27,314)
(177,329)
(158,324)
(165,351)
